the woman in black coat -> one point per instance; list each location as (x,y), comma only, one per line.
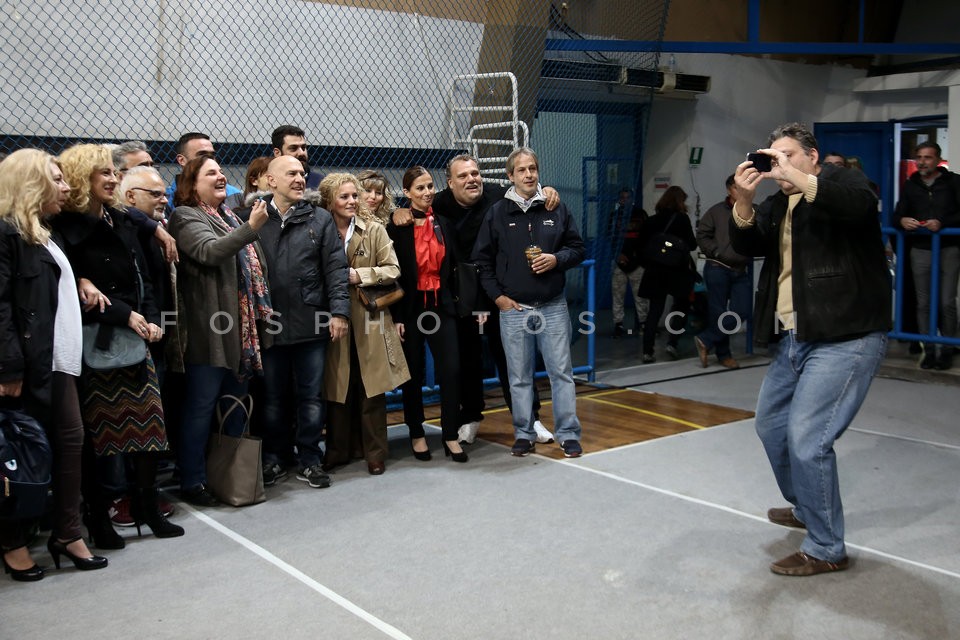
(427,315)
(40,349)
(660,280)
(121,407)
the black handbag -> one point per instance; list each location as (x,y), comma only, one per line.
(467,296)
(666,250)
(25,462)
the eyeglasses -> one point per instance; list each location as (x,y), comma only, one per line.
(154,193)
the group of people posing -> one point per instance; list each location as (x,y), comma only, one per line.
(197,298)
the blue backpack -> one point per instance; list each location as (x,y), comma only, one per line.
(25,461)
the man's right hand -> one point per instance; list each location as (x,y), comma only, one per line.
(258,215)
(402,217)
(505,303)
(910,224)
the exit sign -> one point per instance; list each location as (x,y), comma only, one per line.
(696,154)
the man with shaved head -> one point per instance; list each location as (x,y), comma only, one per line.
(307,269)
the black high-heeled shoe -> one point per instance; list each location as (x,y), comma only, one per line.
(145,510)
(57,549)
(456,457)
(420,455)
(30,574)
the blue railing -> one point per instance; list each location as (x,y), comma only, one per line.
(902,255)
(431,389)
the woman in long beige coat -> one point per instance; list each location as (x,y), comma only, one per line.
(361,369)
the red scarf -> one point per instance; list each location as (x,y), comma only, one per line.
(430,250)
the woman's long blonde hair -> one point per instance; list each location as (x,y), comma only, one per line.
(330,186)
(79,163)
(370,179)
(26,184)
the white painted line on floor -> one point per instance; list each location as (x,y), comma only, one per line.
(744,514)
(292,571)
(894,436)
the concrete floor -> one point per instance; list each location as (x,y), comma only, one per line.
(664,539)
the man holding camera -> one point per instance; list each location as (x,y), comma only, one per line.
(823,308)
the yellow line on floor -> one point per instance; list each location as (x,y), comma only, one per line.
(647,412)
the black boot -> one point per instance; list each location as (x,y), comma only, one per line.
(96,518)
(144,509)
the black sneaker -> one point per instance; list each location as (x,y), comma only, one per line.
(199,496)
(571,449)
(945,361)
(618,330)
(929,360)
(273,473)
(523,447)
(314,476)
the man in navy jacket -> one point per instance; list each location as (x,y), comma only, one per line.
(523,252)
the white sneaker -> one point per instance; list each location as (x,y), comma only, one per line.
(468,432)
(543,434)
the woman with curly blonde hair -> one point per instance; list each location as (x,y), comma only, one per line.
(40,349)
(369,361)
(101,242)
(376,195)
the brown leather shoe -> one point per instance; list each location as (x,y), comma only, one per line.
(729,363)
(376,468)
(702,351)
(784,516)
(800,564)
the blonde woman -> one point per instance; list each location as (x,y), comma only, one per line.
(102,244)
(41,360)
(369,362)
(376,195)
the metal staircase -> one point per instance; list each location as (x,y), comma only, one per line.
(468,128)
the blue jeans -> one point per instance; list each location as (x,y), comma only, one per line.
(724,285)
(305,362)
(522,332)
(205,385)
(810,395)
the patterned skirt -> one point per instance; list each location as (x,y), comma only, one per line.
(121,409)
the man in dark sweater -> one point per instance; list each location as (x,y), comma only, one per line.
(522,252)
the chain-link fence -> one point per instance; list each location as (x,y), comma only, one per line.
(375,84)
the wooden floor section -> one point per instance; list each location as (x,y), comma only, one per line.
(609,418)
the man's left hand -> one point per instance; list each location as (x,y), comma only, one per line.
(543,263)
(338,328)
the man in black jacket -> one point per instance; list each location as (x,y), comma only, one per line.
(522,252)
(308,287)
(823,307)
(930,199)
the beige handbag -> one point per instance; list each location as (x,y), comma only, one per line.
(234,465)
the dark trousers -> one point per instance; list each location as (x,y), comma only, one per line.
(471,377)
(65,433)
(725,286)
(423,328)
(304,362)
(359,424)
(675,326)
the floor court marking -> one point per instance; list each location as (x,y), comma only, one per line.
(295,573)
(744,514)
(662,416)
